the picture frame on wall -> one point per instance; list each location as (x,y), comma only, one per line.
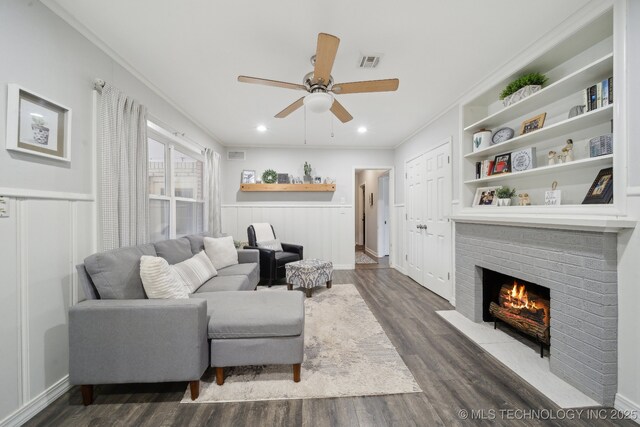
(248,177)
(501,164)
(533,124)
(37,125)
(485,196)
(601,191)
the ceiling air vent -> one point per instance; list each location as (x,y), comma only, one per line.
(236,155)
(369,61)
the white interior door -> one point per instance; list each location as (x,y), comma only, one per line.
(383,215)
(415,210)
(437,230)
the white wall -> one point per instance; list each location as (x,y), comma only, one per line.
(50,228)
(312,218)
(628,396)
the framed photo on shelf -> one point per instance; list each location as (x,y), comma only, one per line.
(601,191)
(501,164)
(485,196)
(37,125)
(317,180)
(248,177)
(283,178)
(532,124)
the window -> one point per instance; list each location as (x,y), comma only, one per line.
(175,180)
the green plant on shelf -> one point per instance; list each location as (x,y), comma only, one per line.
(269,176)
(505,192)
(531,79)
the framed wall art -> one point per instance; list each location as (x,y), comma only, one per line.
(501,164)
(248,177)
(532,124)
(37,125)
(485,196)
(601,191)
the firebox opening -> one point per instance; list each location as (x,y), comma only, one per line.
(522,305)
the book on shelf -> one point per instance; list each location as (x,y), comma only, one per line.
(487,167)
(598,95)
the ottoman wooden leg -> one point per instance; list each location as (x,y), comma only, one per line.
(329,283)
(296,373)
(194,386)
(87,394)
(219,376)
(289,286)
(309,291)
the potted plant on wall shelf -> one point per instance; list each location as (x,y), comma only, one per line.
(505,194)
(522,87)
(308,179)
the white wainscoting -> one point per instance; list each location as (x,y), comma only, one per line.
(325,231)
(43,239)
(398,237)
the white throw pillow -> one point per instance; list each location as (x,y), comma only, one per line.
(159,280)
(274,245)
(195,271)
(221,251)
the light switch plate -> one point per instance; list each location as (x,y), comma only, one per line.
(4,207)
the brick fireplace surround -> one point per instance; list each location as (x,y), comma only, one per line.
(579,268)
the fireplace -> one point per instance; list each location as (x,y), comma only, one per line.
(522,305)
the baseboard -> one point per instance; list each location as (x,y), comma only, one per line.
(400,269)
(370,252)
(344,266)
(627,406)
(37,404)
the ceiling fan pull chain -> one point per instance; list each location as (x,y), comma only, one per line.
(331,117)
(305,125)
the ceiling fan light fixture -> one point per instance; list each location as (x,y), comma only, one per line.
(318,102)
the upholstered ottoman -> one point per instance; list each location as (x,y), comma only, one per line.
(308,274)
(256,328)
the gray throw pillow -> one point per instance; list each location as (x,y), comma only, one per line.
(274,245)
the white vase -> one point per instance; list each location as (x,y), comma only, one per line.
(521,94)
(504,202)
(481,140)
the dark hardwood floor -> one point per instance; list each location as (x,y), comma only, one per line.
(454,374)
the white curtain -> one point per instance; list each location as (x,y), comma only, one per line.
(212,188)
(123,199)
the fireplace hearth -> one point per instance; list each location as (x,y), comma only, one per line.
(523,306)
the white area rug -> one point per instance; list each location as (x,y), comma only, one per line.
(362,258)
(523,360)
(347,353)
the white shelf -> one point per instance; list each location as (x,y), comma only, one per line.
(572,83)
(546,133)
(543,170)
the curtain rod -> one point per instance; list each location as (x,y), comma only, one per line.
(98,84)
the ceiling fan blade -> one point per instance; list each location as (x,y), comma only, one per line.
(339,111)
(325,55)
(290,109)
(266,82)
(388,85)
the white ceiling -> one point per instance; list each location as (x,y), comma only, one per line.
(195,49)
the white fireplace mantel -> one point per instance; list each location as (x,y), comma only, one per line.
(596,223)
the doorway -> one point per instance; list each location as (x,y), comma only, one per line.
(428,206)
(372,218)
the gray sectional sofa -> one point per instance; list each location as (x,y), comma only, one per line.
(119,336)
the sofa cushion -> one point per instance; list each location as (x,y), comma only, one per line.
(197,242)
(160,280)
(250,269)
(116,274)
(174,250)
(226,283)
(221,251)
(195,271)
(256,314)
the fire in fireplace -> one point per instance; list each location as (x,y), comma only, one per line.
(524,306)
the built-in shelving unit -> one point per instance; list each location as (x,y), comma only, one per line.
(289,187)
(581,60)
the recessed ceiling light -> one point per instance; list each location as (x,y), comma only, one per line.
(362,129)
(261,128)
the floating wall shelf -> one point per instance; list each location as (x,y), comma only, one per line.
(289,187)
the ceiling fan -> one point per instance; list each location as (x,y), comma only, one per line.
(319,83)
